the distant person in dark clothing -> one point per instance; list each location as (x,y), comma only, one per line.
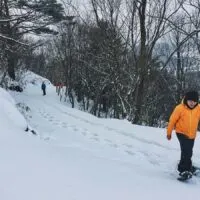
(43,87)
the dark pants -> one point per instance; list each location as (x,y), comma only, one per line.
(44,91)
(186,145)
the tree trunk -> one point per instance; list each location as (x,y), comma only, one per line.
(142,64)
(11,64)
(179,76)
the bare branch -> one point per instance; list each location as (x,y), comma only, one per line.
(11,39)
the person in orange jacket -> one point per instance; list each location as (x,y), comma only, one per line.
(184,120)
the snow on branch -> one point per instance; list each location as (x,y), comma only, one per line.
(11,39)
(7,20)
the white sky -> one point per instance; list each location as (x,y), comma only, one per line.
(77,156)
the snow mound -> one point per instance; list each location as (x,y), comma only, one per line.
(30,78)
(32,82)
(9,114)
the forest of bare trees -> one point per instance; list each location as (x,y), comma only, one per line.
(130,59)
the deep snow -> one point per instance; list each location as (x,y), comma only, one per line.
(76,156)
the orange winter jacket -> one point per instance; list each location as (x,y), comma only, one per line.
(184,120)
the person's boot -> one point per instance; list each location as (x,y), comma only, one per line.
(186,175)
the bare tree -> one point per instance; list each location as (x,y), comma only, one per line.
(149,18)
(21,17)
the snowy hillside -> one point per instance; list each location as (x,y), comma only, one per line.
(76,156)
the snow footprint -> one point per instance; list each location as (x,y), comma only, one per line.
(114,145)
(128,145)
(130,152)
(64,125)
(95,137)
(107,140)
(85,132)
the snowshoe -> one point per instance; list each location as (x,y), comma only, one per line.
(184,176)
(195,171)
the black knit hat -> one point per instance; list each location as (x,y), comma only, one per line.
(192,95)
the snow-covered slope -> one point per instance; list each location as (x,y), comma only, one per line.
(76,156)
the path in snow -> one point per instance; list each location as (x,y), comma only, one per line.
(62,126)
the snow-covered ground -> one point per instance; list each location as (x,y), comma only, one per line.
(76,156)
